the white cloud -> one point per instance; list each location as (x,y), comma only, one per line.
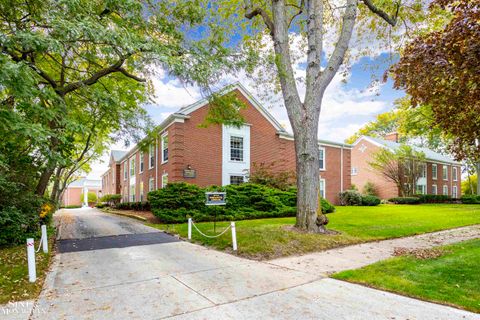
(171,93)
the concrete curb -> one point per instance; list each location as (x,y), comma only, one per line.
(125,214)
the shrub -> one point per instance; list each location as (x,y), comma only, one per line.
(326,206)
(405,200)
(470,199)
(92,197)
(111,199)
(178,201)
(350,198)
(369,200)
(138,206)
(265,174)
(370,189)
(72,206)
(434,198)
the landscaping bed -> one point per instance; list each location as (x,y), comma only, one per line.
(447,275)
(272,238)
(146,216)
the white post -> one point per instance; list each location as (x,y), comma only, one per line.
(189,228)
(44,239)
(234,236)
(85,197)
(32,272)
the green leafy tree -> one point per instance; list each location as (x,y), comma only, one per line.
(402,166)
(269,31)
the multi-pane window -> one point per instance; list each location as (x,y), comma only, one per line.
(354,171)
(421,189)
(164,180)
(132,193)
(455,173)
(321,158)
(423,171)
(434,171)
(132,166)
(236,179)
(125,170)
(445,172)
(454,192)
(236,148)
(322,188)
(141,161)
(445,190)
(141,191)
(434,189)
(151,156)
(151,184)
(164,148)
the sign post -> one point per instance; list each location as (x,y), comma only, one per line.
(215,199)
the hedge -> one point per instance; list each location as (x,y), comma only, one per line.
(138,206)
(405,200)
(178,201)
(370,200)
(470,199)
(354,198)
(434,198)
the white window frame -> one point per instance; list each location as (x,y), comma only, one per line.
(434,173)
(455,192)
(162,140)
(151,155)
(436,189)
(324,188)
(445,190)
(354,171)
(151,184)
(423,187)
(424,171)
(455,173)
(132,168)
(165,175)
(324,158)
(132,195)
(236,175)
(445,173)
(142,162)
(230,148)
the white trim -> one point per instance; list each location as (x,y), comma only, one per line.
(230,167)
(455,177)
(444,175)
(321,143)
(443,189)
(454,192)
(324,188)
(141,162)
(151,148)
(324,158)
(436,189)
(151,184)
(164,175)
(436,171)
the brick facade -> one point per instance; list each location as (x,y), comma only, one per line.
(191,146)
(362,153)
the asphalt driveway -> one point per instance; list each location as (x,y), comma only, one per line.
(130,271)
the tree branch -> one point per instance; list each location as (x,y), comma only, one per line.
(382,14)
(250,13)
(129,75)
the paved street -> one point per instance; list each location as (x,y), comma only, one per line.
(130,271)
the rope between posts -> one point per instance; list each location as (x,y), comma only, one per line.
(40,243)
(216,236)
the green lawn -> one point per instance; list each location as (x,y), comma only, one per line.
(270,238)
(14,284)
(452,278)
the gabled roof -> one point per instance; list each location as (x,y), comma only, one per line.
(392,145)
(117,155)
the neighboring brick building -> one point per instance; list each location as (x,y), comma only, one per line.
(72,196)
(219,154)
(442,175)
(111,178)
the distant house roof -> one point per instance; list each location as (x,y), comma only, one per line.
(392,145)
(83,182)
(118,154)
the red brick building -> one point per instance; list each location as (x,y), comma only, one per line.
(441,174)
(72,196)
(219,154)
(111,178)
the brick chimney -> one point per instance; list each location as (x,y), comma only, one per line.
(391,136)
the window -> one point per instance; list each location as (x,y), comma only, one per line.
(445,190)
(151,184)
(164,180)
(454,192)
(141,161)
(421,189)
(151,156)
(236,148)
(132,167)
(455,173)
(164,147)
(434,171)
(125,170)
(322,188)
(236,179)
(434,189)
(141,191)
(132,193)
(354,171)
(423,171)
(445,173)
(321,158)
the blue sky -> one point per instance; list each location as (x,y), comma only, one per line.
(346,106)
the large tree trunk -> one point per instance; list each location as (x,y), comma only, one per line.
(56,185)
(309,214)
(44,180)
